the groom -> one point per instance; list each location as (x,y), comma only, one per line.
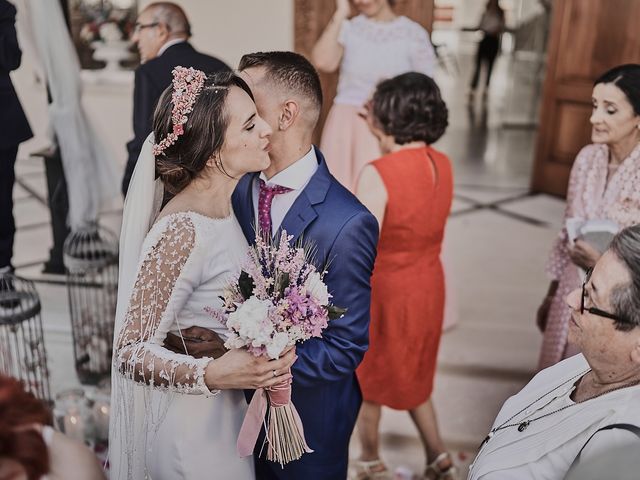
(299,195)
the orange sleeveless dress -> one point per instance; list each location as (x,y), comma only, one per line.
(407,286)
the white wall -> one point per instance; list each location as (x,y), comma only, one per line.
(229,28)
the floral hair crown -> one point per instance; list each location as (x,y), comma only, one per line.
(187,84)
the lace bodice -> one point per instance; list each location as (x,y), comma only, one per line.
(186,260)
(593,195)
(374,51)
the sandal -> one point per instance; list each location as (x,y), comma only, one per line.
(450,473)
(370,470)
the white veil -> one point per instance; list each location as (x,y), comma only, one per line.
(141,207)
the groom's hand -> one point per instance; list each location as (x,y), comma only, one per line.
(196,341)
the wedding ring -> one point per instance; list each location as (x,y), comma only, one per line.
(275,374)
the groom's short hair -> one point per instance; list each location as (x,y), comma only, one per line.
(290,70)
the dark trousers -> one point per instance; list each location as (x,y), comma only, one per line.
(7,223)
(59,207)
(487,52)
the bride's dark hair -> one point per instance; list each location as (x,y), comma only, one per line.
(203,135)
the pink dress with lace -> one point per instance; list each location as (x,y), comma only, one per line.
(592,194)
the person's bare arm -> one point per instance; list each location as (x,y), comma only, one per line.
(327,52)
(72,460)
(372,192)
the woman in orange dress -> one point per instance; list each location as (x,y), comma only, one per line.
(409,190)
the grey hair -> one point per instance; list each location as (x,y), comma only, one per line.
(625,298)
(172,16)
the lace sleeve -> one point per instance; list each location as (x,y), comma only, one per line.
(166,278)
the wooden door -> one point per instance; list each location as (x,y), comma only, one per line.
(312,16)
(587,38)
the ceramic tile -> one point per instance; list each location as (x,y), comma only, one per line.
(541,207)
(29,213)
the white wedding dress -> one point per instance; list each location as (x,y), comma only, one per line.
(170,425)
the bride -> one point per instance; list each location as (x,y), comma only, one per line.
(176,416)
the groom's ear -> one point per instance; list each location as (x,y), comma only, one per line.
(290,111)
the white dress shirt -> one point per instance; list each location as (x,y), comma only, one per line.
(296,176)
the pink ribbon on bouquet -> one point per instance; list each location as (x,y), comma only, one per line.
(278,395)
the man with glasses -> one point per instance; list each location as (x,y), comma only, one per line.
(161,34)
(584,408)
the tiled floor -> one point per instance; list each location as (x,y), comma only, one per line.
(497,240)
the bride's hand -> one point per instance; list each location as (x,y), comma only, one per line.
(239,369)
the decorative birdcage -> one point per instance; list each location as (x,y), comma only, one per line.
(91,262)
(22,351)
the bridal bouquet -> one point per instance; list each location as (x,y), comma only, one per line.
(278,299)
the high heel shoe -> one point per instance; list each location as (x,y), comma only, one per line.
(446,473)
(370,470)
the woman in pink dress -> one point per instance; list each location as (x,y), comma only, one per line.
(374,45)
(604,185)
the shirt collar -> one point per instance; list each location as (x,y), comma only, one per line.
(296,175)
(170,43)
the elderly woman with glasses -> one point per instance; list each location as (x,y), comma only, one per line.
(586,405)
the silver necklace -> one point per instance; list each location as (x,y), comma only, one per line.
(522,426)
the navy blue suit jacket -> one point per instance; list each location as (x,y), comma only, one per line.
(325,389)
(15,127)
(151,79)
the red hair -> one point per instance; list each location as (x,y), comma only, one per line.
(18,411)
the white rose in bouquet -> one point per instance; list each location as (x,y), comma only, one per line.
(277,345)
(249,321)
(317,288)
(234,341)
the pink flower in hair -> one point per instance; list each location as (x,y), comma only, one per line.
(187,84)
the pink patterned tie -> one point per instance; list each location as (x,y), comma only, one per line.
(267,192)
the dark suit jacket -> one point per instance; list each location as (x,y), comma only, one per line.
(151,79)
(325,389)
(14,125)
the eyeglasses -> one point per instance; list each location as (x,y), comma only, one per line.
(593,310)
(141,26)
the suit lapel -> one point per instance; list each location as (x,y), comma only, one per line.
(242,201)
(302,213)
(299,216)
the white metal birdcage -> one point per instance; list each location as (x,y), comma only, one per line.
(91,262)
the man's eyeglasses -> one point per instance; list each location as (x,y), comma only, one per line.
(593,310)
(138,27)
